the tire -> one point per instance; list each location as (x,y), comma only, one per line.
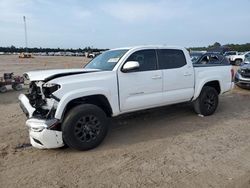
(17,87)
(3,89)
(84,127)
(238,62)
(207,102)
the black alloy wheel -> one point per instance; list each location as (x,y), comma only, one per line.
(210,101)
(84,127)
(87,128)
(207,102)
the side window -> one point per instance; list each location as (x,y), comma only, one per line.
(170,58)
(146,59)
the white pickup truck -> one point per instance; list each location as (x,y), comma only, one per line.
(72,106)
(238,58)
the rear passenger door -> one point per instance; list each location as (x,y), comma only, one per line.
(178,76)
(142,88)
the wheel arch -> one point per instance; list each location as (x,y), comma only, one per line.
(99,100)
(211,83)
(215,84)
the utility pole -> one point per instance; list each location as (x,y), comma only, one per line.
(25,30)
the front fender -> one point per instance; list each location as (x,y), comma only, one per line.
(78,94)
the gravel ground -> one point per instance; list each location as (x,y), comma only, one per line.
(165,147)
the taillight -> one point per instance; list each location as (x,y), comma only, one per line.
(232,75)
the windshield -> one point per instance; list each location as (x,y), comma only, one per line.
(107,60)
(230,53)
(247,59)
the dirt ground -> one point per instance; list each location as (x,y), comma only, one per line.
(164,147)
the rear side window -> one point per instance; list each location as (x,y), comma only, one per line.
(146,59)
(170,58)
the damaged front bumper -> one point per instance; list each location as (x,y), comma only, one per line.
(41,136)
(242,81)
(41,131)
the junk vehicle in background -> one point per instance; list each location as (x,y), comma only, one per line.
(212,58)
(9,79)
(242,76)
(195,55)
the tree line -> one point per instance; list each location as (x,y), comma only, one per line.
(13,49)
(232,47)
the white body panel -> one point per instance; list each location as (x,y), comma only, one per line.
(140,90)
(178,85)
(80,85)
(43,74)
(203,75)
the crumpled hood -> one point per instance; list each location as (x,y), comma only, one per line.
(46,75)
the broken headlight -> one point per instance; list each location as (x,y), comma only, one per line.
(49,88)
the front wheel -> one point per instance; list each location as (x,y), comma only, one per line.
(84,127)
(207,102)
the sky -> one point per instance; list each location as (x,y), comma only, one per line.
(117,23)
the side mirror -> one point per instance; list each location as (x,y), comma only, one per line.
(130,66)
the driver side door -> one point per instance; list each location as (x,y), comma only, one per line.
(141,88)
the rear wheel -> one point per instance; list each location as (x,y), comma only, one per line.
(3,89)
(84,127)
(207,102)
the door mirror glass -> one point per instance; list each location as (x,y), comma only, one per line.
(130,66)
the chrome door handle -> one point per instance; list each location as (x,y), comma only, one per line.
(187,74)
(156,77)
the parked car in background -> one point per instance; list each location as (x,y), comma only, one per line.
(247,59)
(195,55)
(51,53)
(212,58)
(242,76)
(239,58)
(230,53)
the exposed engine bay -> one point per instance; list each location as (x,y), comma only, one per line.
(41,98)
